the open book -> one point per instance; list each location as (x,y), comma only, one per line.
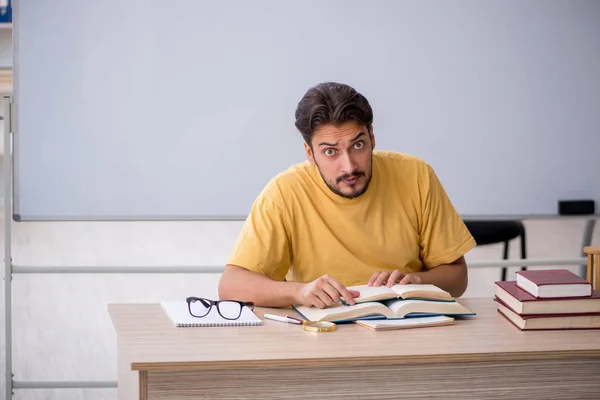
(409,291)
(380,310)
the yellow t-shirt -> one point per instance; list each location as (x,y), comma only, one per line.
(299,230)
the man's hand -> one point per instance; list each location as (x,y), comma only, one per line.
(325,291)
(452,277)
(389,278)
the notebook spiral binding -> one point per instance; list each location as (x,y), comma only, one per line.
(217,324)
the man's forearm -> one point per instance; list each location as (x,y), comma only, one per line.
(452,278)
(240,284)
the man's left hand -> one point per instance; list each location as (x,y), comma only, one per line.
(389,278)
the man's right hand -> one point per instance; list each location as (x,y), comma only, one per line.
(325,291)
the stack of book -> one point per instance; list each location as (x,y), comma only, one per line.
(549,299)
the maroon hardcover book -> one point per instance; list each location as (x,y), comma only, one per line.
(524,303)
(549,321)
(553,277)
(553,283)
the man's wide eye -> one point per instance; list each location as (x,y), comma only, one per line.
(329,152)
(359,145)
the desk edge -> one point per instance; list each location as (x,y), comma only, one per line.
(350,361)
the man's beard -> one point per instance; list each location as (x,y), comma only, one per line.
(354,193)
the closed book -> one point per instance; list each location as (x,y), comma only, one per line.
(549,321)
(406,323)
(553,283)
(525,303)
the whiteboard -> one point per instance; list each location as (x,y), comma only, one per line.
(184,109)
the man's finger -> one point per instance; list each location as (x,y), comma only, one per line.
(405,280)
(332,292)
(325,298)
(382,278)
(347,295)
(315,301)
(373,278)
(394,277)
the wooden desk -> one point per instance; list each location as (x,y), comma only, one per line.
(477,358)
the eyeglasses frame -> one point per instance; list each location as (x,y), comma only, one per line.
(208,303)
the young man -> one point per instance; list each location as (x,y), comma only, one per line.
(347,216)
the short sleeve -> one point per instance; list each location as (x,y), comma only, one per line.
(263,244)
(444,237)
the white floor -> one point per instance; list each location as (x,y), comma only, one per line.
(61,330)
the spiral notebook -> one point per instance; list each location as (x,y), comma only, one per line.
(178,312)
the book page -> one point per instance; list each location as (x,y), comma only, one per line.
(372,293)
(342,312)
(424,291)
(401,308)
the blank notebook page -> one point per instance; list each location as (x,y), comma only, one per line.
(178,312)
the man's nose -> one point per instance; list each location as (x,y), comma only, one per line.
(347,163)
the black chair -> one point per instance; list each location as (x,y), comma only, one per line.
(492,232)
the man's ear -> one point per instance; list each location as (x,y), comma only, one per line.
(309,153)
(372,137)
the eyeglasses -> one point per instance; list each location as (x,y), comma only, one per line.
(229,309)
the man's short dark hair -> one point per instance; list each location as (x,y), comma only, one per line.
(331,103)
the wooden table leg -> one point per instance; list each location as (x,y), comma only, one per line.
(593,266)
(143,385)
(596,284)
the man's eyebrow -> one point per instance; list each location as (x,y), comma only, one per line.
(357,136)
(335,144)
(328,144)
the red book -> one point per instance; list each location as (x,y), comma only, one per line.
(549,321)
(553,283)
(524,303)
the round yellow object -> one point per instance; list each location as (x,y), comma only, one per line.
(318,326)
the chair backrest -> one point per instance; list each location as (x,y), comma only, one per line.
(491,232)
